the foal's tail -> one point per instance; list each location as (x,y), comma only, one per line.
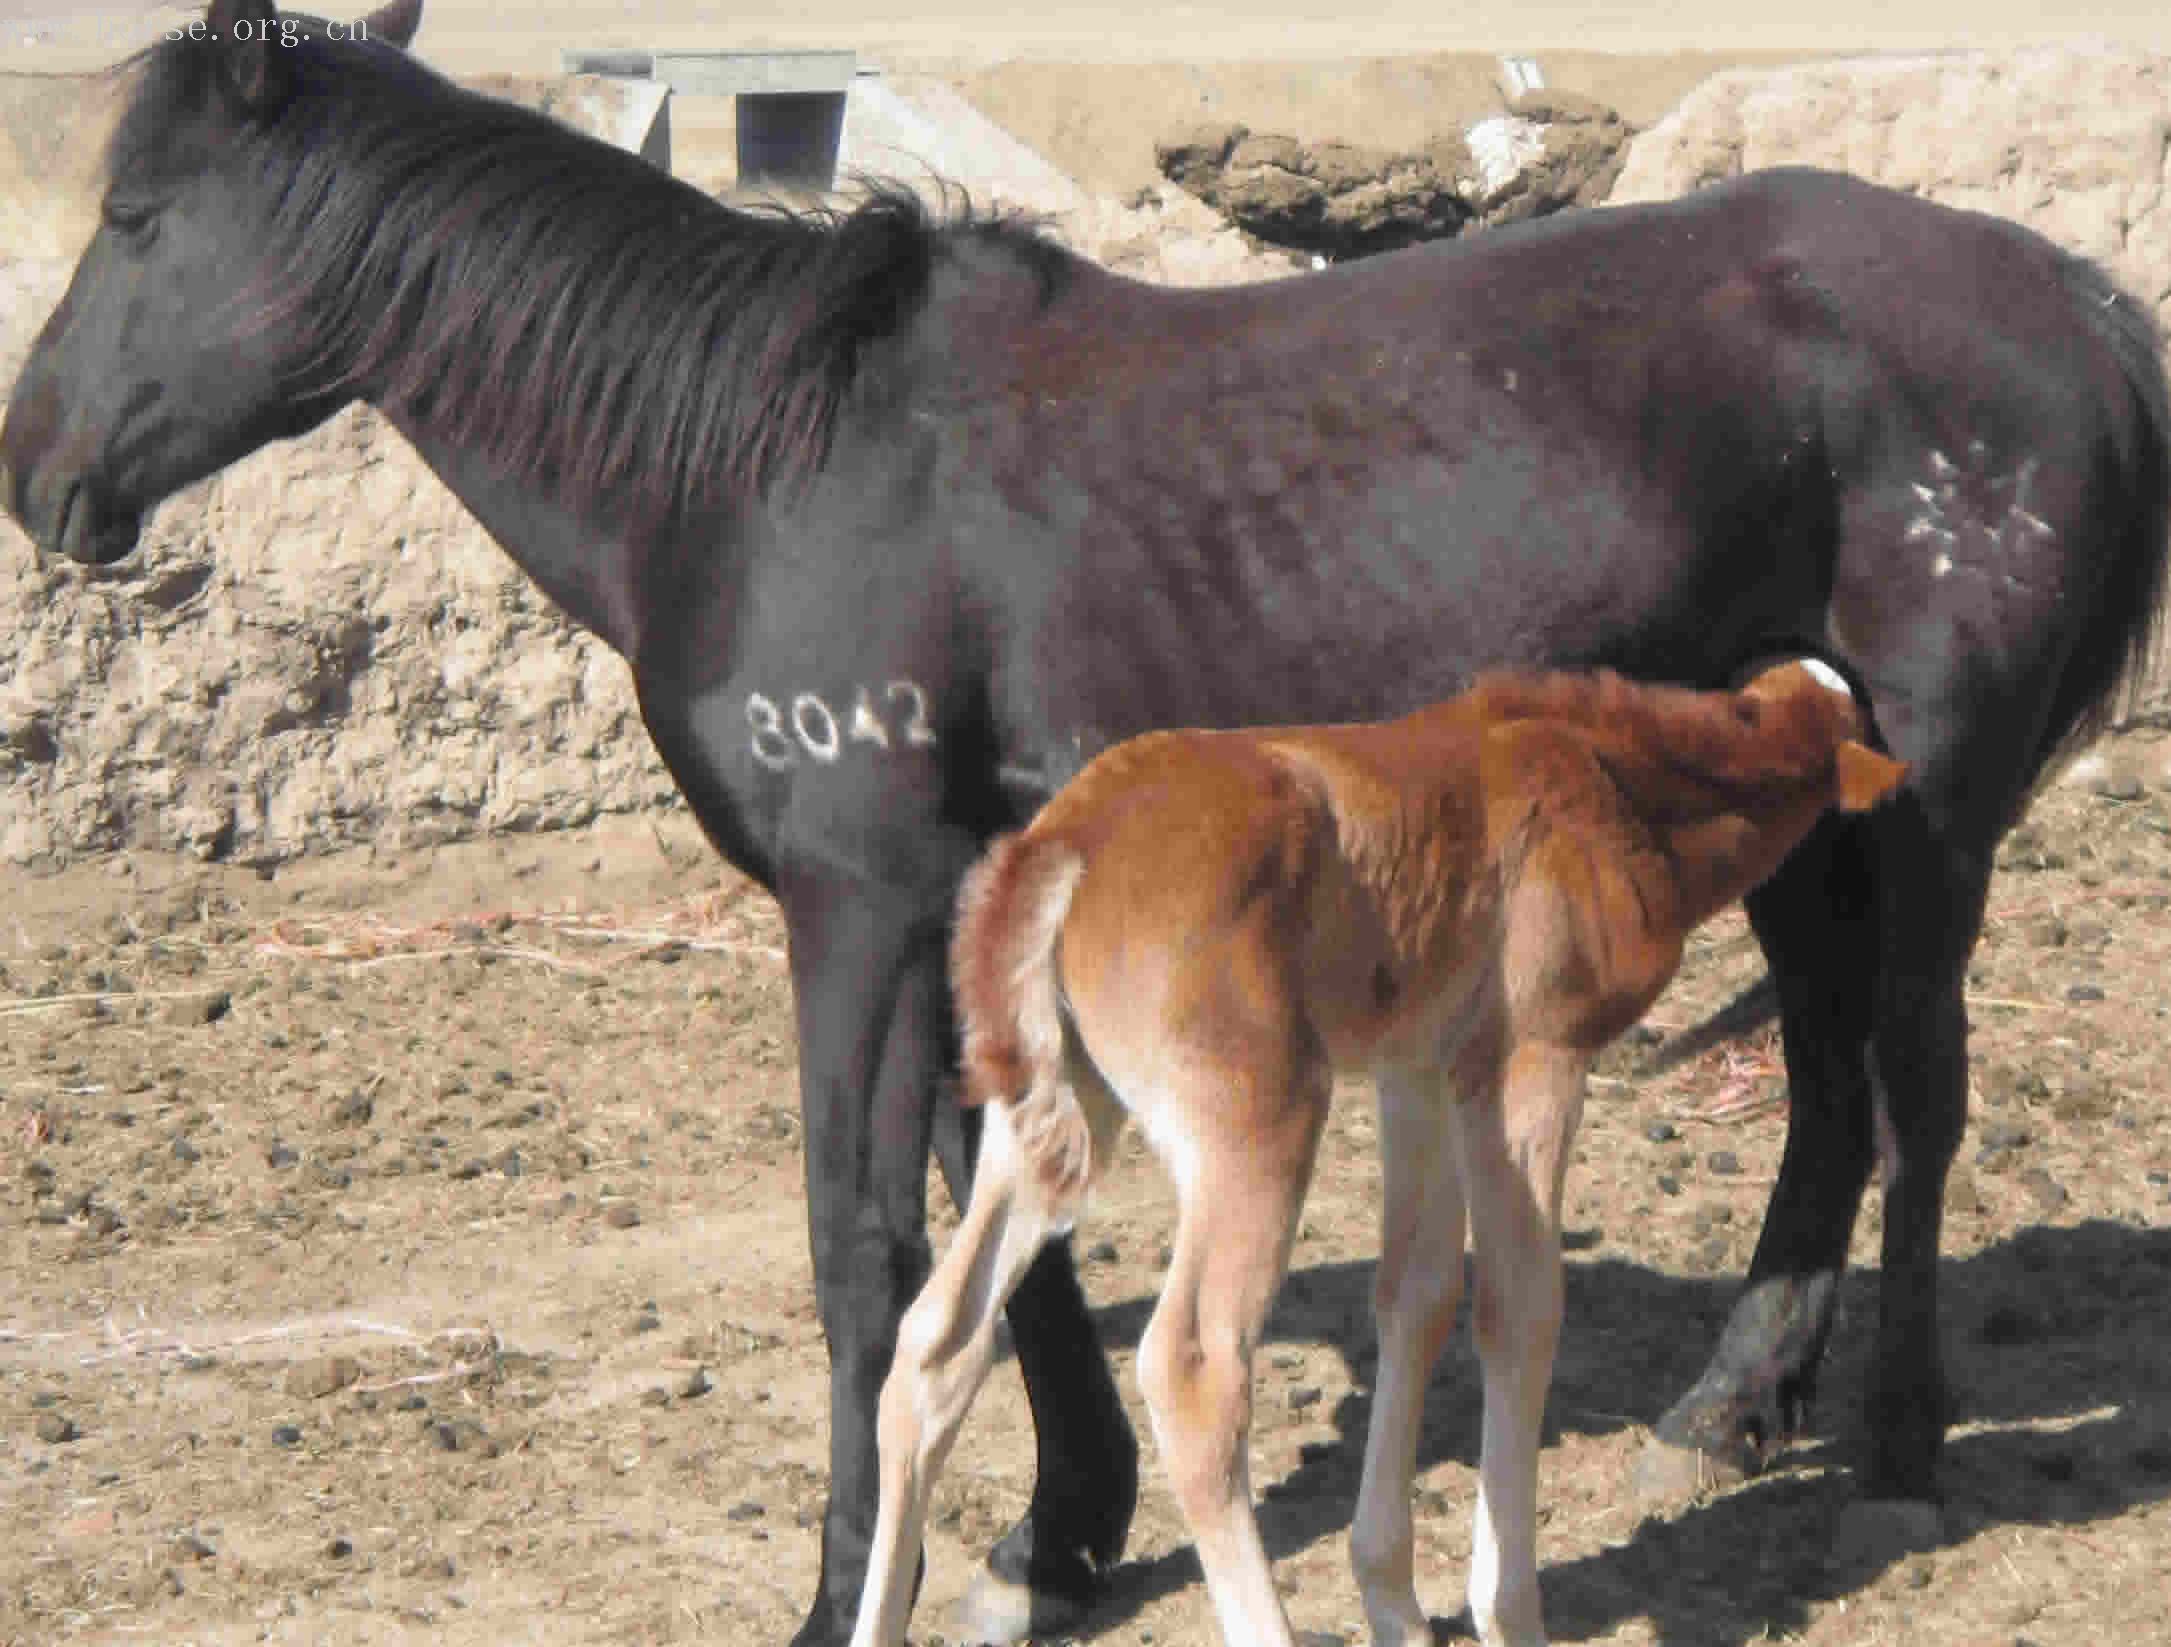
(1003,970)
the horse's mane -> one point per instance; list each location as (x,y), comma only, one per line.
(558,304)
(1721,737)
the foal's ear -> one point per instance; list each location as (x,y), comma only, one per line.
(251,72)
(394,23)
(1866,778)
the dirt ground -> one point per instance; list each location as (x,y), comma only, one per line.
(412,1250)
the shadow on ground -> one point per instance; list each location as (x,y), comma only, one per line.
(2056,1344)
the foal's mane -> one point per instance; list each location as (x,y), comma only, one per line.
(561,305)
(1718,736)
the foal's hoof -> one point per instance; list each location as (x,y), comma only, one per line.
(1666,1477)
(997,1611)
(1873,1533)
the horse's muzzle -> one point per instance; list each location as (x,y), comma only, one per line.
(92,534)
(66,515)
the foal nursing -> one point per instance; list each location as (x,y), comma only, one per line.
(1205,926)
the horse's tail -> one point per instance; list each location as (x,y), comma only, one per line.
(2111,656)
(1004,971)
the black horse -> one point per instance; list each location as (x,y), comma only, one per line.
(897,520)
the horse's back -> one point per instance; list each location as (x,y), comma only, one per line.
(1796,407)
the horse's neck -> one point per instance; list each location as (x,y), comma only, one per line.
(584,565)
(1723,854)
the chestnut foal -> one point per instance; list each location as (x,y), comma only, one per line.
(1204,927)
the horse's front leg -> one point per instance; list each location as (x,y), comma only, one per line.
(868,985)
(876,1055)
(1048,1570)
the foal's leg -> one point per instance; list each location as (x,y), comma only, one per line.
(1414,1294)
(1239,1195)
(1041,1576)
(1513,1150)
(945,1345)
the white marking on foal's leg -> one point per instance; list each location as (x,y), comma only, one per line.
(1512,1148)
(1418,1285)
(945,1346)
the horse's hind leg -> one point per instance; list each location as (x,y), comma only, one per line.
(1868,931)
(1239,1195)
(1932,894)
(1416,1290)
(945,1345)
(1817,921)
(1512,1148)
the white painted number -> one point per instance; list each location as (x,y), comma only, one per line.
(867,726)
(917,732)
(771,747)
(777,739)
(810,712)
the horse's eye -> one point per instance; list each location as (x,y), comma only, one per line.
(133,220)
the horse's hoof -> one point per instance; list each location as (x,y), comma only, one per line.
(1873,1533)
(998,1611)
(822,1631)
(1666,1477)
(1735,1431)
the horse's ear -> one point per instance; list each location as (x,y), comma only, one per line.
(1866,778)
(250,68)
(394,23)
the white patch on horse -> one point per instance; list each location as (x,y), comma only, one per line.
(2021,521)
(1828,677)
(1967,498)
